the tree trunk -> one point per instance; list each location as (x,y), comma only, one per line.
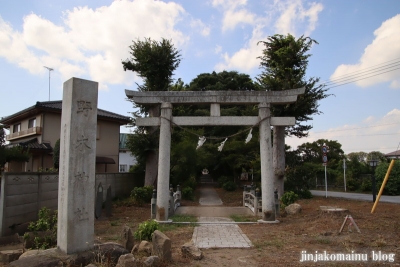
(152,156)
(151,168)
(278,151)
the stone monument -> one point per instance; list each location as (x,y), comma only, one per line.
(76,194)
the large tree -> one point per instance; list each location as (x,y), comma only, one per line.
(305,165)
(284,64)
(236,154)
(155,62)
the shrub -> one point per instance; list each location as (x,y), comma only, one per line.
(366,185)
(306,194)
(187,193)
(47,222)
(146,229)
(191,182)
(229,186)
(142,195)
(393,183)
(222,180)
(289,198)
(352,184)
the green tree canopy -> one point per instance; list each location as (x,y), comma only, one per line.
(153,61)
(284,63)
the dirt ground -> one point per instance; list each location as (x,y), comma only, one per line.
(282,244)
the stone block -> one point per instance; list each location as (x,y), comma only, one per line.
(127,260)
(161,246)
(7,256)
(293,208)
(151,261)
(189,250)
(145,247)
(127,239)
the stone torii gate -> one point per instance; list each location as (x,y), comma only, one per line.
(264,99)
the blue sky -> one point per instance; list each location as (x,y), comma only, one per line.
(89,39)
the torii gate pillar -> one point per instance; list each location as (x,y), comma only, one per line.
(267,171)
(164,156)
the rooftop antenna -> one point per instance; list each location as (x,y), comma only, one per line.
(50,69)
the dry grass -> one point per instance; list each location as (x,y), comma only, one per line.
(281,244)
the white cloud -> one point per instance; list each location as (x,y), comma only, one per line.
(246,58)
(218,49)
(91,42)
(234,14)
(289,16)
(229,4)
(383,49)
(232,18)
(294,13)
(201,27)
(371,134)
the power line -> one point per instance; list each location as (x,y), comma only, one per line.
(365,73)
(356,128)
(362,70)
(363,78)
(357,135)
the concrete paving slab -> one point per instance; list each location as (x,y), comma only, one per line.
(209,211)
(216,234)
(209,197)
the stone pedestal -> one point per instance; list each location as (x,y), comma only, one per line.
(75,229)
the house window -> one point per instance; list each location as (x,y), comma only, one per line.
(32,123)
(123,168)
(17,128)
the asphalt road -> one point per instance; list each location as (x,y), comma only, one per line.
(356,196)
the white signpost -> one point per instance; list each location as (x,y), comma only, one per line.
(325,161)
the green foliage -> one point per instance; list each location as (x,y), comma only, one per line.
(47,170)
(153,61)
(146,229)
(191,182)
(56,154)
(2,136)
(187,193)
(284,63)
(47,222)
(222,81)
(312,152)
(222,180)
(366,184)
(229,186)
(393,184)
(352,184)
(142,195)
(289,198)
(15,153)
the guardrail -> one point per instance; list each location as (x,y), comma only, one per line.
(252,199)
(23,133)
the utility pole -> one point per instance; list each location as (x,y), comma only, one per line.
(50,69)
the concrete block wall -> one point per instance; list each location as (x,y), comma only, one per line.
(23,194)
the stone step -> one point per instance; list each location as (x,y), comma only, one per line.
(7,256)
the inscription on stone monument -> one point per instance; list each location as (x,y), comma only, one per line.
(77,166)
